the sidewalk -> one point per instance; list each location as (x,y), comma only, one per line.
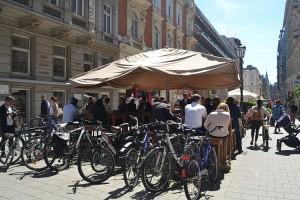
(255,174)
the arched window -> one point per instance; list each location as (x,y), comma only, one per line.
(134,26)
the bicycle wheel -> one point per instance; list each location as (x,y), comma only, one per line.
(131,165)
(212,165)
(32,154)
(193,181)
(95,164)
(5,148)
(56,161)
(155,174)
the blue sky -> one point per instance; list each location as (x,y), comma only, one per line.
(255,22)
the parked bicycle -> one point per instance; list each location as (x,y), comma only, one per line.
(201,164)
(63,147)
(265,134)
(11,147)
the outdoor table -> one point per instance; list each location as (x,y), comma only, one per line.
(85,116)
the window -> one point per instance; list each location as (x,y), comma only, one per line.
(134,26)
(78,7)
(61,97)
(88,62)
(156,3)
(59,61)
(107,19)
(156,38)
(20,54)
(179,16)
(251,83)
(170,8)
(54,2)
(170,42)
(105,61)
(179,46)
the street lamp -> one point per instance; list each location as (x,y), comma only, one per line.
(240,51)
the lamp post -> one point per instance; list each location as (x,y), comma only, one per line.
(240,51)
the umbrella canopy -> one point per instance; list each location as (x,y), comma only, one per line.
(162,69)
(236,93)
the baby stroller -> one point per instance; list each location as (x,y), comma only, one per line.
(290,140)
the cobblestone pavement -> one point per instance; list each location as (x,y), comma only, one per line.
(255,174)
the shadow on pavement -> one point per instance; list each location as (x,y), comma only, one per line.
(287,152)
(77,185)
(33,174)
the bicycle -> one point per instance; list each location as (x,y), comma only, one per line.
(162,160)
(11,147)
(201,163)
(97,163)
(32,152)
(60,150)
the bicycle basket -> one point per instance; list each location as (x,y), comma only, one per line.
(60,142)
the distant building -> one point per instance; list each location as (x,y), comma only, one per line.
(252,80)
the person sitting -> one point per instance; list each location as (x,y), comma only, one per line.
(161,111)
(70,111)
(219,117)
(90,105)
(195,113)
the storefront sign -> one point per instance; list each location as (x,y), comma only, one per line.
(4,89)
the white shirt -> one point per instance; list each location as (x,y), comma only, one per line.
(194,113)
(218,118)
(9,119)
(69,113)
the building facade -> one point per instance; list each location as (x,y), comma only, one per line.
(288,59)
(252,80)
(44,43)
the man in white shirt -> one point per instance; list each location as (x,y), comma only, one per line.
(70,111)
(195,113)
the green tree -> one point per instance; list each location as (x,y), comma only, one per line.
(297,94)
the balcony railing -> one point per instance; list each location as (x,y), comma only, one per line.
(79,22)
(189,33)
(23,2)
(52,10)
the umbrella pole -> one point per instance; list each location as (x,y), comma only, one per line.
(167,91)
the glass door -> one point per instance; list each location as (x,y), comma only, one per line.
(22,104)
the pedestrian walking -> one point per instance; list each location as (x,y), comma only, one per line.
(44,106)
(257,114)
(277,112)
(293,111)
(53,109)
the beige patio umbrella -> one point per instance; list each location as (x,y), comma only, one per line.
(162,69)
(236,93)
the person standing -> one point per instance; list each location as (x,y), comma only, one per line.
(7,114)
(53,109)
(70,111)
(277,112)
(161,111)
(257,114)
(182,104)
(44,106)
(235,114)
(293,111)
(90,105)
(107,105)
(99,112)
(195,113)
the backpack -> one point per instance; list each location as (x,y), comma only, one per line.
(256,114)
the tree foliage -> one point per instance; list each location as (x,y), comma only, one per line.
(297,94)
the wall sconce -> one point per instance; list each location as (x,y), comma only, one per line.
(66,33)
(36,23)
(90,41)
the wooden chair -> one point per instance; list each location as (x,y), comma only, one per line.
(219,144)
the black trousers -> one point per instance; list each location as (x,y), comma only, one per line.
(8,129)
(255,126)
